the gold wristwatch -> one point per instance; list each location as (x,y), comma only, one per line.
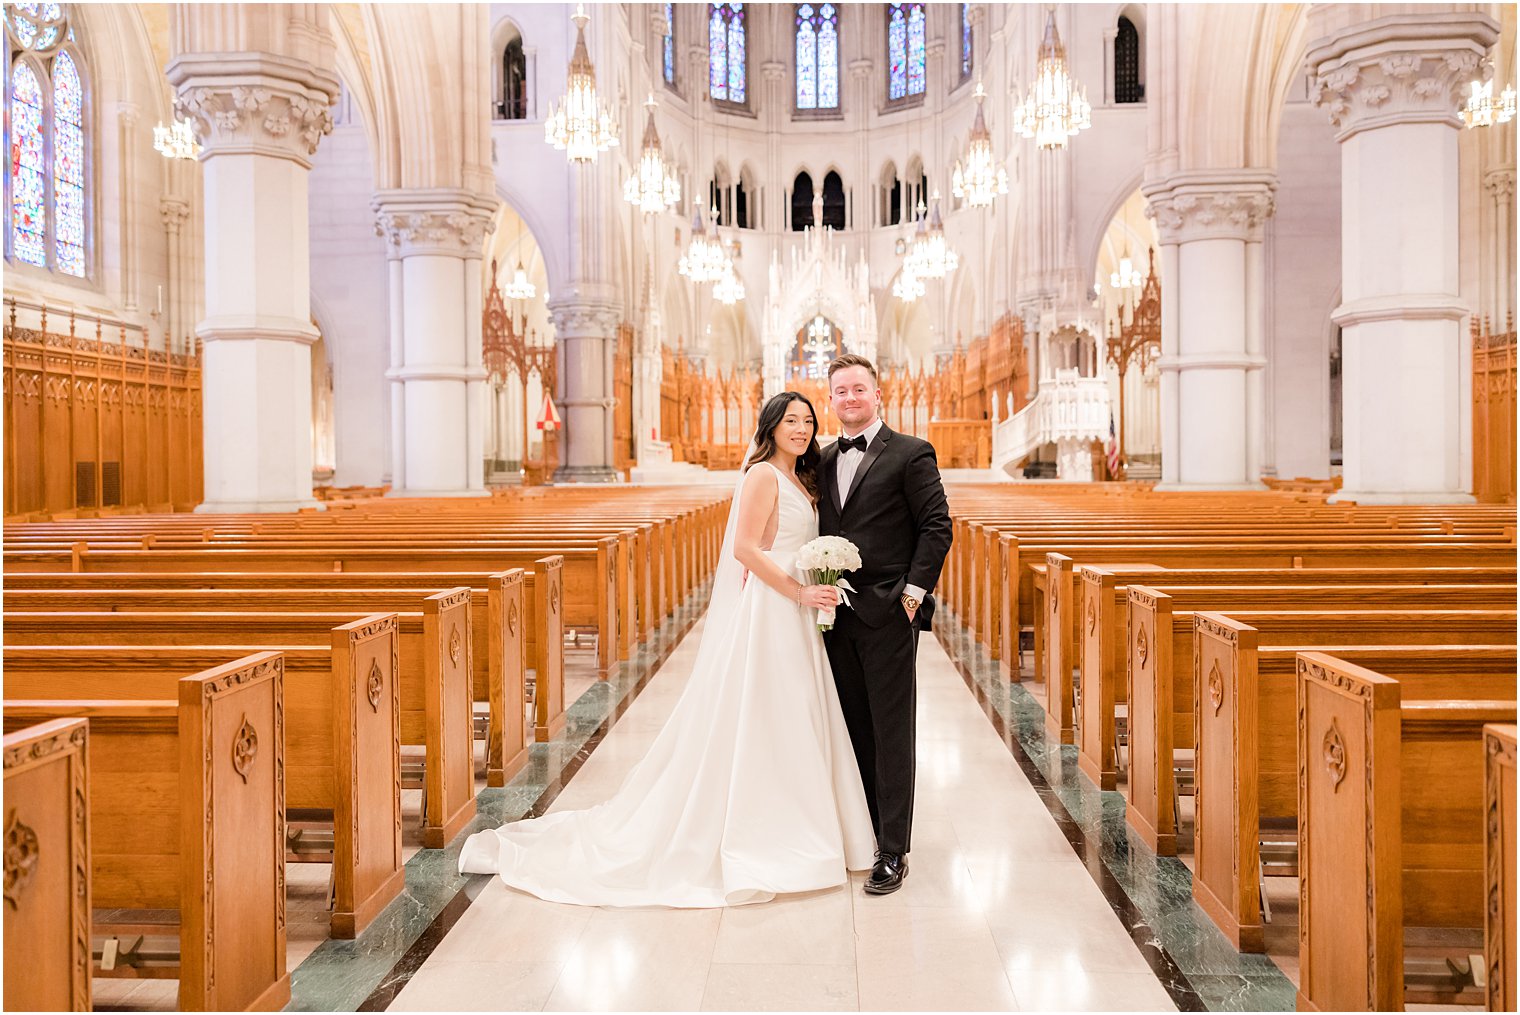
(910,603)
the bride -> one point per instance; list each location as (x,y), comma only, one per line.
(751,790)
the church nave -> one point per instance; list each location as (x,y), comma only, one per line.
(999,911)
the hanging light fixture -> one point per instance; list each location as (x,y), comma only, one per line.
(176,141)
(520,288)
(908,286)
(704,257)
(581,125)
(1056,107)
(982,178)
(729,289)
(1127,277)
(1483,110)
(931,256)
(653,187)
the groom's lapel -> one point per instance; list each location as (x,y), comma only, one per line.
(828,475)
(872,453)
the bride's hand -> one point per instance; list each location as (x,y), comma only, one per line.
(821,597)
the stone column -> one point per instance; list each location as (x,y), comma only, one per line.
(1500,184)
(174,211)
(1391,85)
(1211,363)
(585,328)
(257,81)
(438,384)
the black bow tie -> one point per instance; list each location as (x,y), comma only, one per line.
(846,443)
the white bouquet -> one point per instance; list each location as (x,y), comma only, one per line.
(825,559)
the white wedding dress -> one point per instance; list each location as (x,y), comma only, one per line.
(751,789)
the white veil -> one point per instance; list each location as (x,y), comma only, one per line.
(728,579)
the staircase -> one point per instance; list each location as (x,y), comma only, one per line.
(1070,411)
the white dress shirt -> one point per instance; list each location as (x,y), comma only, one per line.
(845,467)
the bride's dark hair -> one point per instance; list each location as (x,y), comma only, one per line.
(771,416)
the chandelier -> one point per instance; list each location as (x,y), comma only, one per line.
(1056,107)
(819,345)
(1483,110)
(520,288)
(652,187)
(581,125)
(729,289)
(704,258)
(1127,277)
(982,178)
(931,256)
(176,141)
(908,286)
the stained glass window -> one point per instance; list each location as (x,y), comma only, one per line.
(670,44)
(45,110)
(817,56)
(906,50)
(68,166)
(725,52)
(966,48)
(28,182)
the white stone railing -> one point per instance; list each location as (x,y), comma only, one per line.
(1070,410)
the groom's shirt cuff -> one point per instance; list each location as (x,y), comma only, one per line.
(914,591)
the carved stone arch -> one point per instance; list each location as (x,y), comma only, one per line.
(1090,247)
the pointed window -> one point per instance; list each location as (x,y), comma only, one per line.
(817,47)
(45,115)
(906,50)
(726,53)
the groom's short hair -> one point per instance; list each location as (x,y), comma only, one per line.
(849,359)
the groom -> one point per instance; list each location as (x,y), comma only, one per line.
(881,490)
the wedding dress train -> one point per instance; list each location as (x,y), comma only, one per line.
(749,791)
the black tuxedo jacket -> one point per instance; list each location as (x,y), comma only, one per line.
(896,514)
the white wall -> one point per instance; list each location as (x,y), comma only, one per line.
(1303,282)
(350,298)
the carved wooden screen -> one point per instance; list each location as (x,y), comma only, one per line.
(1493,413)
(623,442)
(92,423)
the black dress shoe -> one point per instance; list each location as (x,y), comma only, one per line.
(888,874)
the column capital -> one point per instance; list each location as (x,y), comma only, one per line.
(1401,68)
(128,112)
(174,211)
(254,103)
(773,70)
(862,67)
(584,318)
(1500,183)
(437,221)
(1228,205)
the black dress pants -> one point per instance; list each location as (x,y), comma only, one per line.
(874,673)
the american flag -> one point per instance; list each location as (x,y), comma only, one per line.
(1112,447)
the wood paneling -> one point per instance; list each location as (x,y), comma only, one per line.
(1493,413)
(95,424)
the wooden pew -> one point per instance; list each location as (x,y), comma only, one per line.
(586,593)
(186,813)
(1102,675)
(1499,805)
(342,724)
(47,869)
(1163,678)
(433,673)
(1056,596)
(1391,823)
(1244,704)
(497,628)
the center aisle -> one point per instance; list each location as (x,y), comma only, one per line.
(997,911)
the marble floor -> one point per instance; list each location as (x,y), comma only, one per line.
(998,912)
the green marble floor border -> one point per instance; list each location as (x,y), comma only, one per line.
(340,975)
(1158,890)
